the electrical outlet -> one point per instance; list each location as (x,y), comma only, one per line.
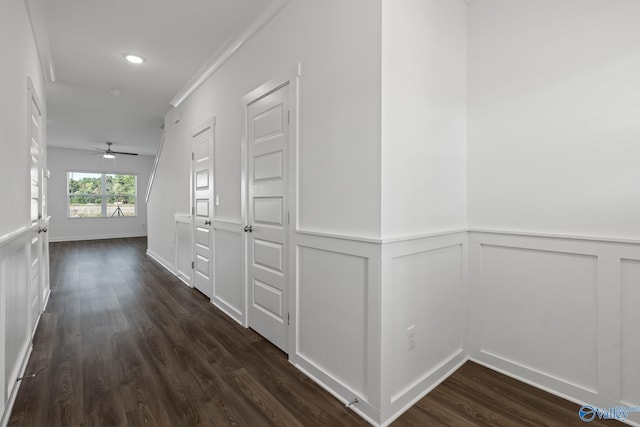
(411,337)
(217,200)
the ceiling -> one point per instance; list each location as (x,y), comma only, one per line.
(87,41)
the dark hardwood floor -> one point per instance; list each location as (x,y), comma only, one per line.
(124,343)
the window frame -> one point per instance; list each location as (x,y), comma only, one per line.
(104,195)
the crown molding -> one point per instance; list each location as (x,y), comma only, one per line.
(36,12)
(228,49)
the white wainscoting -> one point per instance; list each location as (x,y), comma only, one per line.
(355,300)
(184,248)
(630,332)
(560,313)
(336,322)
(423,317)
(228,283)
(15,314)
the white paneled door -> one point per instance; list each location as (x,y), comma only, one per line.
(202,182)
(267,211)
(38,287)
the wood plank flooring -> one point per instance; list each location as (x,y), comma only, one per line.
(124,343)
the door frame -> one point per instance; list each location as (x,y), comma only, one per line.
(291,77)
(208,125)
(41,224)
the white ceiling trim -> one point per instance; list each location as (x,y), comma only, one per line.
(227,50)
(35,10)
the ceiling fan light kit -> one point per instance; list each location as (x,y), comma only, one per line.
(110,154)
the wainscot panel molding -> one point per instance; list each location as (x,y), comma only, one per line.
(184,248)
(15,313)
(336,321)
(423,317)
(383,323)
(558,312)
(228,270)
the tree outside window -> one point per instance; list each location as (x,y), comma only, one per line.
(100,195)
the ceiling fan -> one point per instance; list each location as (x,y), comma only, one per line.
(110,154)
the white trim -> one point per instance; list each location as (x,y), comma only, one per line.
(156,160)
(379,241)
(184,218)
(232,227)
(13,393)
(163,262)
(208,126)
(331,390)
(449,367)
(185,277)
(98,237)
(167,266)
(607,239)
(547,383)
(228,49)
(290,78)
(14,235)
(397,239)
(338,236)
(228,309)
(40,30)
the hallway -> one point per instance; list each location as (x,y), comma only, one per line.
(122,342)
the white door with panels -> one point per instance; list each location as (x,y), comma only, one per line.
(267,216)
(39,286)
(202,210)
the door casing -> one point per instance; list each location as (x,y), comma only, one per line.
(200,222)
(292,79)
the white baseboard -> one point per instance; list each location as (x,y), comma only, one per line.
(228,310)
(163,262)
(13,393)
(367,414)
(548,383)
(425,386)
(183,279)
(97,237)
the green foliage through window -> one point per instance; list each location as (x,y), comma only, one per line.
(101,195)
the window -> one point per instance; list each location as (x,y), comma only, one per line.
(100,195)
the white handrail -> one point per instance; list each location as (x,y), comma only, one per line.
(155,167)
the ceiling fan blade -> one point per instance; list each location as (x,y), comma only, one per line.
(121,152)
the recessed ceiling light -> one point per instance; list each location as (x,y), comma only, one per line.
(134,59)
(115,92)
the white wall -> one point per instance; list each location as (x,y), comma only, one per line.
(18,49)
(386,157)
(557,313)
(339,155)
(423,324)
(338,46)
(424,96)
(63,160)
(554,101)
(171,192)
(20,62)
(553,135)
